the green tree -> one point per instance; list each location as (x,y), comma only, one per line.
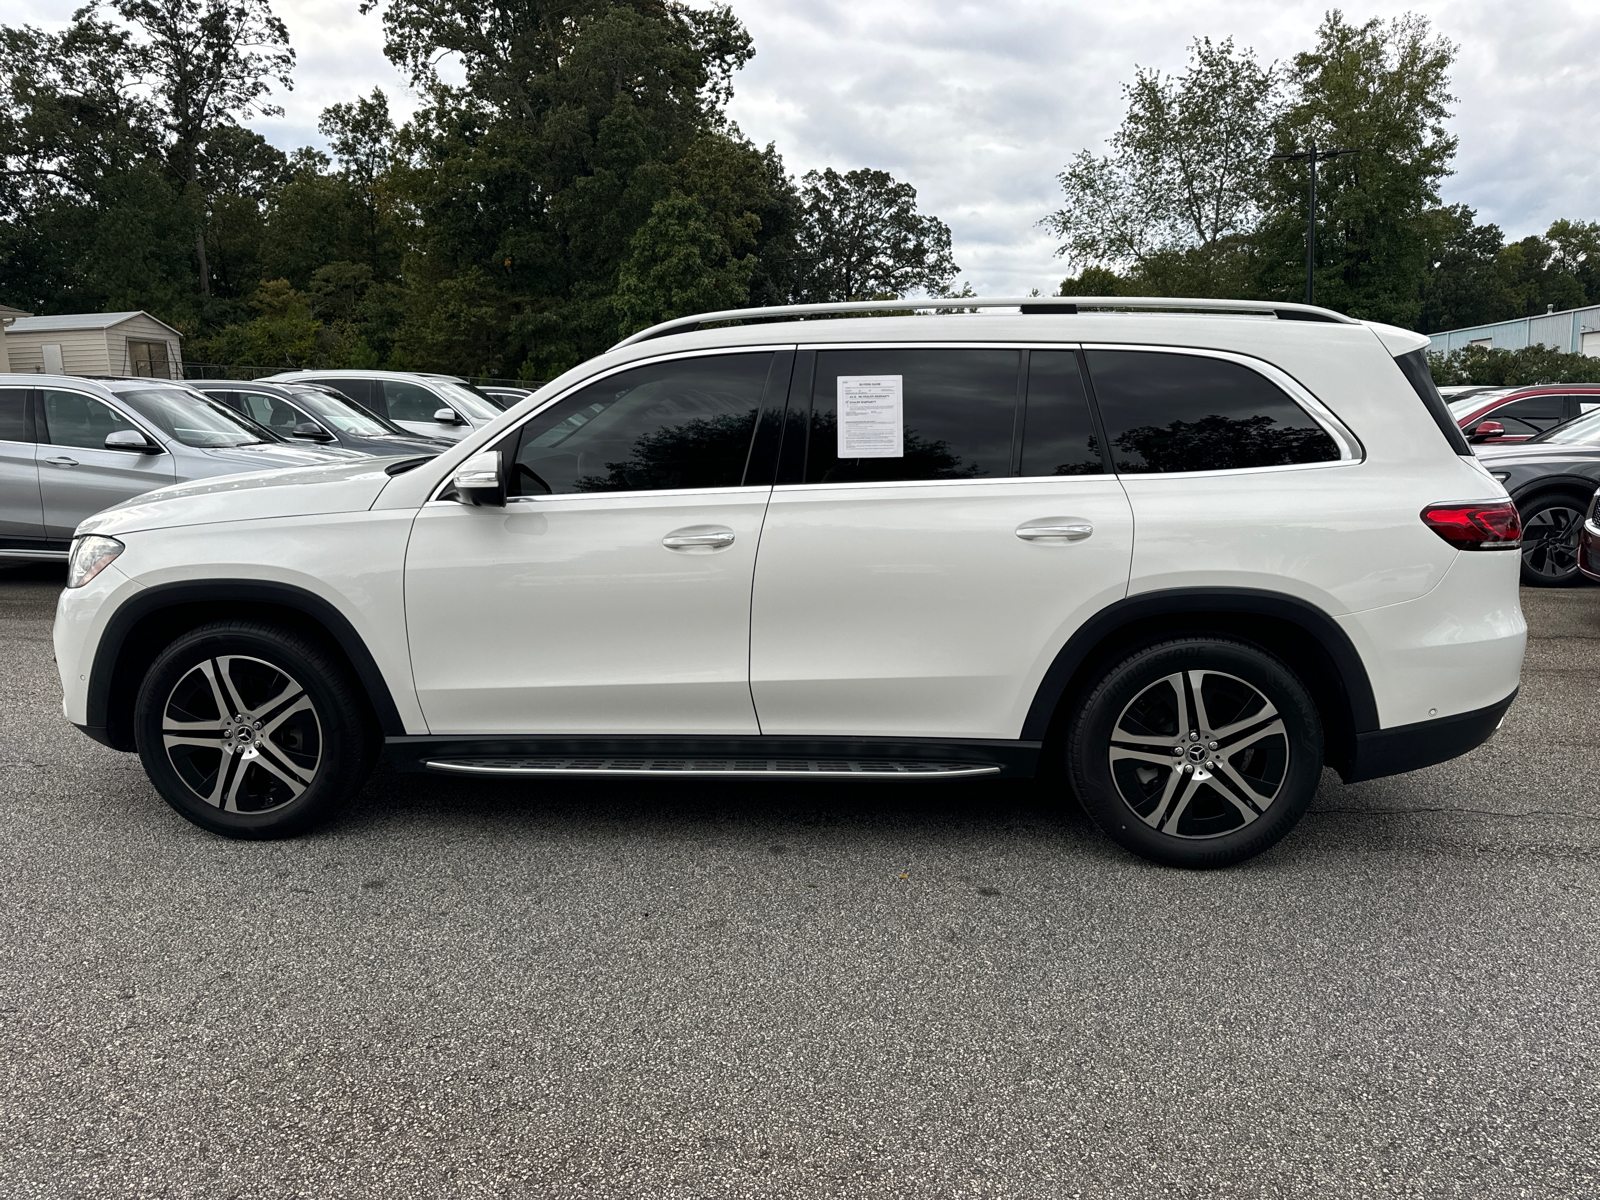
(1172,202)
(679,264)
(861,237)
(1382,89)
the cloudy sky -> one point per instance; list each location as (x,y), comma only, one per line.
(979,104)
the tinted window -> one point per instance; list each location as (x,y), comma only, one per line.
(683,424)
(363,391)
(1058,434)
(1186,412)
(1530,416)
(14,415)
(72,419)
(271,411)
(959,408)
(410,401)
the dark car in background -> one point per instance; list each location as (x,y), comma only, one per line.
(1492,415)
(1552,478)
(316,415)
(437,406)
(1589,542)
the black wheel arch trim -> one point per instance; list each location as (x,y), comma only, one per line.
(1536,488)
(1182,603)
(103,724)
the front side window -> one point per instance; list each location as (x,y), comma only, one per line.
(465,399)
(189,418)
(673,425)
(1529,416)
(886,416)
(73,419)
(271,411)
(410,401)
(1189,412)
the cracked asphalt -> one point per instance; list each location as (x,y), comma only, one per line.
(487,989)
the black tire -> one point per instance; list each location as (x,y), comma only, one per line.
(305,747)
(1551,525)
(1169,796)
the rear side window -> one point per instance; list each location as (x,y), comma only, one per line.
(1414,366)
(364,392)
(1189,412)
(911,415)
(14,415)
(1058,435)
(673,425)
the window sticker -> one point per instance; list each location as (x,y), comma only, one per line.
(871,416)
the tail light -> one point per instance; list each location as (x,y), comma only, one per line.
(1476,526)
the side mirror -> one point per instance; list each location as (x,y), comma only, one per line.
(1484,430)
(131,439)
(448,416)
(478,480)
(310,429)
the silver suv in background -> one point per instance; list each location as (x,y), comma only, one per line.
(435,406)
(70,447)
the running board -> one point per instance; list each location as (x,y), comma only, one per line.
(720,768)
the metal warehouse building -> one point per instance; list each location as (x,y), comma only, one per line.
(1575,331)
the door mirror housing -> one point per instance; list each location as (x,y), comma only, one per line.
(448,416)
(131,439)
(1484,430)
(310,429)
(478,481)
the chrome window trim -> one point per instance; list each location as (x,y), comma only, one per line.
(671,356)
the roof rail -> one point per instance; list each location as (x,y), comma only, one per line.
(1028,304)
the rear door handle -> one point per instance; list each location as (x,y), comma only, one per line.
(1063,529)
(698,537)
(62,461)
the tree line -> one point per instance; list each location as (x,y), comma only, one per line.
(1197,194)
(582,182)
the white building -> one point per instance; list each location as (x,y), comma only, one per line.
(124,343)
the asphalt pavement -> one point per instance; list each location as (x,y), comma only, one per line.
(488,988)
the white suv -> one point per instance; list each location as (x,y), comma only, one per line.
(1180,557)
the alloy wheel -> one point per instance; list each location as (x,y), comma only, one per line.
(1199,754)
(1550,541)
(242,734)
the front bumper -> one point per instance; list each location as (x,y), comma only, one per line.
(1589,551)
(1412,747)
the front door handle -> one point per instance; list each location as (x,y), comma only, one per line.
(1065,529)
(62,461)
(699,537)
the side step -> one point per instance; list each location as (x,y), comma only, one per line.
(723,768)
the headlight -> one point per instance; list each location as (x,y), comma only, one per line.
(90,555)
(1500,476)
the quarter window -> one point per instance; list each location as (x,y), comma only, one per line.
(1058,436)
(72,419)
(958,409)
(1189,412)
(673,425)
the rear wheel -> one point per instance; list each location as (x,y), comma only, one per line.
(1551,527)
(251,731)
(1198,752)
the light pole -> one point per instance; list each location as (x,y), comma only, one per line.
(1313,156)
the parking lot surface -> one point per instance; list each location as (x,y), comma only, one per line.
(603,989)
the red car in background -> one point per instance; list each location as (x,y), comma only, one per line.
(1517,414)
(1589,541)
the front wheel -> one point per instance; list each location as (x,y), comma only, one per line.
(1198,752)
(251,731)
(1551,527)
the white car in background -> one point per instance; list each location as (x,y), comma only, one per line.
(1179,559)
(435,406)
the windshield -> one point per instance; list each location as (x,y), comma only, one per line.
(192,420)
(343,415)
(1581,431)
(464,399)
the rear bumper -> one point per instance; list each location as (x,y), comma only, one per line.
(1412,747)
